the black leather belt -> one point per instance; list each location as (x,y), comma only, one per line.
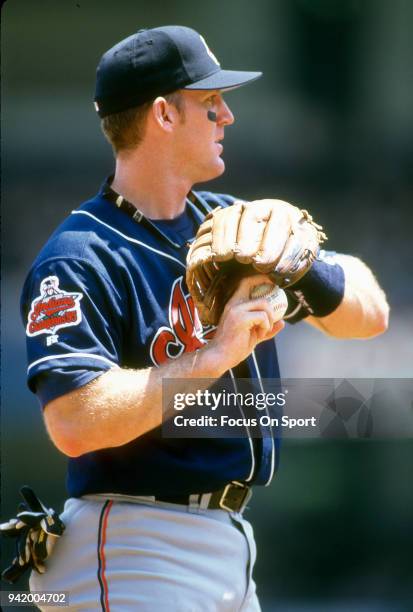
(233,498)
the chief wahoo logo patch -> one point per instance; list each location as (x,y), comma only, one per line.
(53,310)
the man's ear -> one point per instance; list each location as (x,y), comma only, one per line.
(164,114)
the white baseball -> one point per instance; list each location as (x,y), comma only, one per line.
(276,297)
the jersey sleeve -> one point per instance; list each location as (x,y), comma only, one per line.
(72,313)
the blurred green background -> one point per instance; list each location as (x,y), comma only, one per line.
(329,126)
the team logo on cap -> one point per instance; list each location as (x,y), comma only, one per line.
(208,50)
(53,310)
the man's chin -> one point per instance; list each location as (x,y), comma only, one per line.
(215,172)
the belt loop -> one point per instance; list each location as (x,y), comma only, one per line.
(204,501)
(193,505)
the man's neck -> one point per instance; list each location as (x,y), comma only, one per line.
(156,188)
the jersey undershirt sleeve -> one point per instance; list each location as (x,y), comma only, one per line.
(72,313)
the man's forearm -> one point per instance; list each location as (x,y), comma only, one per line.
(120,405)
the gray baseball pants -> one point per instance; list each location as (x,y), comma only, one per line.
(125,554)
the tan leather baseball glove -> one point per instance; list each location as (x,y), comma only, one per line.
(263,236)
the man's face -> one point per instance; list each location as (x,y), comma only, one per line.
(198,139)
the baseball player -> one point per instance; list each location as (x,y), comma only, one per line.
(154,523)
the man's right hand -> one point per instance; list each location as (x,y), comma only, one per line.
(243,324)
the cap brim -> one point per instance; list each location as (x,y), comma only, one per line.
(225,79)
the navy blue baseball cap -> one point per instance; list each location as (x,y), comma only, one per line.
(156,62)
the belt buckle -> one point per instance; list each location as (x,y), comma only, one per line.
(239,504)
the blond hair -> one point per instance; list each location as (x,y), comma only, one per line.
(126,129)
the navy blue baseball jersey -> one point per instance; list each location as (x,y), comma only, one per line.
(109,291)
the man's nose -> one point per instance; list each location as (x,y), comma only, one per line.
(225,116)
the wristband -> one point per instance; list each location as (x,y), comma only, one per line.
(319,292)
